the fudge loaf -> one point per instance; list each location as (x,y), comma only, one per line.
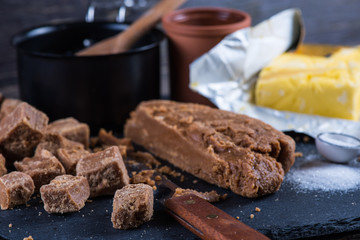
(3,169)
(230,150)
(132,206)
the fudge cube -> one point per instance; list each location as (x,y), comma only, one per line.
(71,129)
(21,131)
(65,193)
(3,169)
(105,171)
(52,142)
(69,157)
(8,105)
(132,206)
(41,168)
(15,188)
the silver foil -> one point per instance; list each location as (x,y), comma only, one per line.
(227,74)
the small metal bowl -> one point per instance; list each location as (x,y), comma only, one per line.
(338,147)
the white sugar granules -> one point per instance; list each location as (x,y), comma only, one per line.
(325,176)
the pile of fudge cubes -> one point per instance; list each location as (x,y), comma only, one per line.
(55,160)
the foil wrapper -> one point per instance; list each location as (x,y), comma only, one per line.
(227,74)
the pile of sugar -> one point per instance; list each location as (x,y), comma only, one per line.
(324,176)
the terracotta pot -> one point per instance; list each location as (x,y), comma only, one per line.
(192,32)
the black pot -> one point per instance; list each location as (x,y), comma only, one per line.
(98,90)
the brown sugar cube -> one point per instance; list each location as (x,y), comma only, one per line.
(3,169)
(8,105)
(41,168)
(21,131)
(69,157)
(72,129)
(52,142)
(104,170)
(132,206)
(65,193)
(15,188)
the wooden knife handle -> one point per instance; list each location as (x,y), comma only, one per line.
(207,221)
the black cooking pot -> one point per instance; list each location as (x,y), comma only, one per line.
(98,90)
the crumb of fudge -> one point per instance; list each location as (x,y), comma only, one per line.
(72,129)
(132,206)
(143,157)
(298,154)
(195,181)
(10,225)
(237,217)
(144,176)
(158,178)
(167,170)
(65,193)
(306,139)
(70,156)
(16,188)
(257,209)
(3,169)
(41,168)
(252,216)
(182,178)
(104,170)
(224,196)
(212,196)
(108,139)
(21,131)
(28,238)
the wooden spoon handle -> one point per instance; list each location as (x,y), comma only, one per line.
(207,221)
(124,40)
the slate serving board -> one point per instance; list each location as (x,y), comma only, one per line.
(286,214)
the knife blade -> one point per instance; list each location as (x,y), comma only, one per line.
(198,215)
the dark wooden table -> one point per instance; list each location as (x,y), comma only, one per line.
(326,22)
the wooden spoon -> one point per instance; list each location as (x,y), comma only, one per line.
(123,41)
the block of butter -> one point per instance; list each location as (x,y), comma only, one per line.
(327,86)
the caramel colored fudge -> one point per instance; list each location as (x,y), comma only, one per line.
(3,169)
(104,170)
(21,131)
(69,157)
(65,193)
(53,141)
(42,168)
(8,105)
(230,150)
(72,129)
(132,206)
(16,188)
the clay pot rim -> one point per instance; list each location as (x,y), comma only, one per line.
(173,26)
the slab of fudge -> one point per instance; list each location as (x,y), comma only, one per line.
(21,131)
(132,206)
(65,193)
(104,170)
(42,168)
(3,169)
(230,150)
(53,141)
(16,188)
(71,129)
(8,105)
(69,157)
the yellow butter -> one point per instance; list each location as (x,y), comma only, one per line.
(313,84)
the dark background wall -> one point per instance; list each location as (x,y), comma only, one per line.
(326,21)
